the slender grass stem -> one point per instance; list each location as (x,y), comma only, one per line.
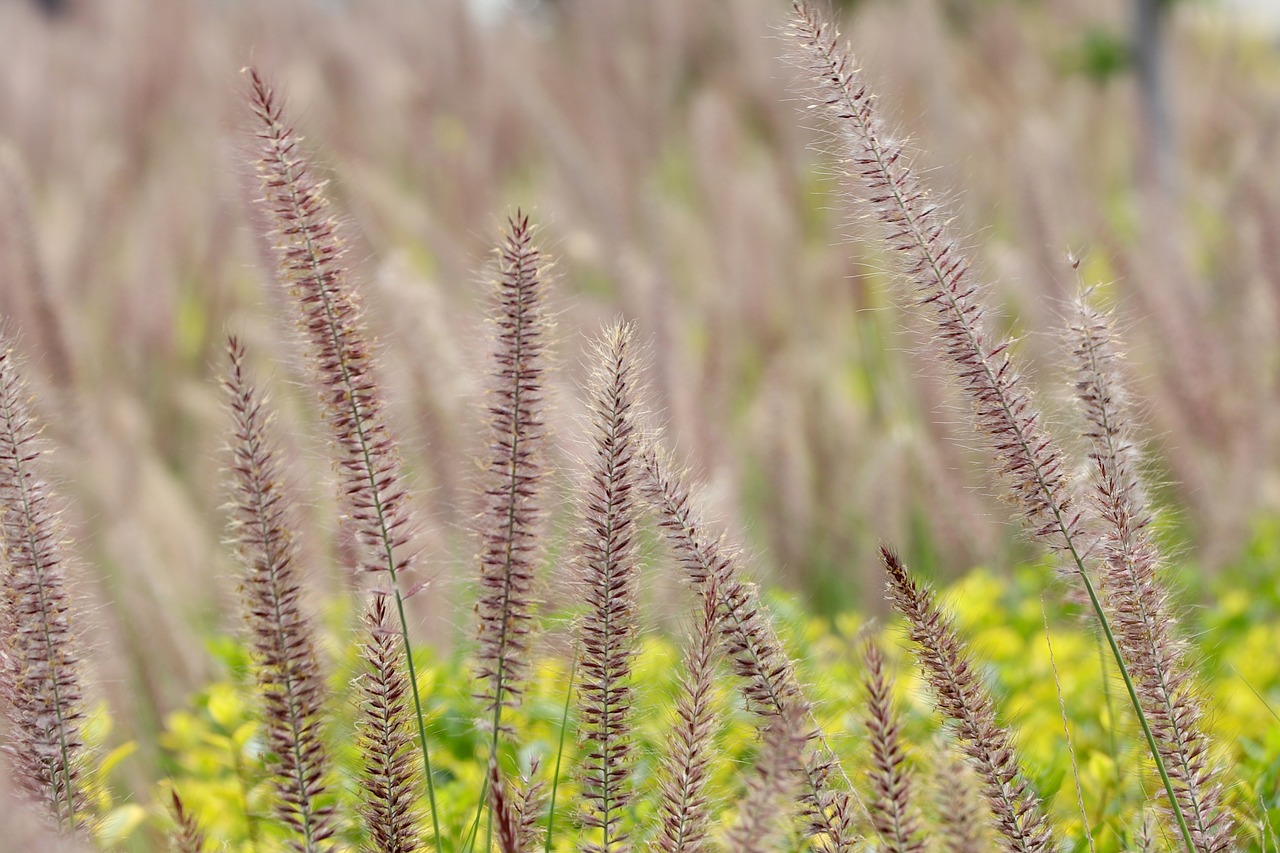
(555,776)
(1066,729)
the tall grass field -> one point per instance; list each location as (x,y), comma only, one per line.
(674,426)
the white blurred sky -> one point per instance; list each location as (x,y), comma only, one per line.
(1253,17)
(1254,13)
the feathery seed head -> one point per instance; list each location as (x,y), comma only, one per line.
(1136,600)
(510,521)
(370,478)
(186,837)
(290,682)
(892,812)
(962,821)
(770,682)
(371,483)
(503,814)
(965,701)
(40,666)
(917,231)
(26,828)
(1004,412)
(607,571)
(771,791)
(340,358)
(390,769)
(770,686)
(529,799)
(684,808)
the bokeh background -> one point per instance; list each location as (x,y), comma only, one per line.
(663,148)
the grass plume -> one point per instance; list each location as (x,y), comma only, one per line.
(389,773)
(529,798)
(608,577)
(41,664)
(23,828)
(892,811)
(769,683)
(916,229)
(505,813)
(960,695)
(1004,412)
(684,806)
(371,483)
(962,825)
(765,810)
(1136,599)
(187,836)
(510,544)
(290,682)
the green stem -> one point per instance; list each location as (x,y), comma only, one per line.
(1106,693)
(555,776)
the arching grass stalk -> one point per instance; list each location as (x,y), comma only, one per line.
(1004,412)
(1143,625)
(1106,693)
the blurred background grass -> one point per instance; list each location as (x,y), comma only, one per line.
(662,148)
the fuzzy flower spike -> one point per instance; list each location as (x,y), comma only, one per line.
(39,664)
